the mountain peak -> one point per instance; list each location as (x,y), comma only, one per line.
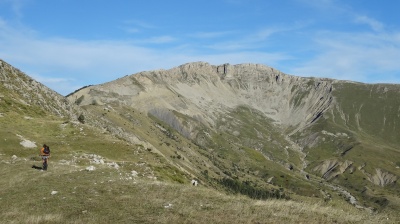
(203,90)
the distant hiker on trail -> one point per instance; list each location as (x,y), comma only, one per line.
(45,154)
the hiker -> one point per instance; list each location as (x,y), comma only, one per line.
(45,154)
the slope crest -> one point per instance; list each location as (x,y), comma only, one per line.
(18,88)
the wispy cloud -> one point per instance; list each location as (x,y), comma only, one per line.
(16,6)
(265,33)
(131,29)
(3,23)
(253,40)
(62,85)
(353,56)
(136,26)
(157,40)
(210,35)
(139,23)
(374,24)
(325,5)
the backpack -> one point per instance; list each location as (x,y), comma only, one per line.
(46,150)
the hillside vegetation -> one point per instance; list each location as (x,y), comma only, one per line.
(135,192)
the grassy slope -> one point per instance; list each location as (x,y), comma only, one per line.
(104,196)
(113,195)
(93,197)
(371,109)
(258,151)
(361,114)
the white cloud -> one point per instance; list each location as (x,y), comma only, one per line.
(374,24)
(353,56)
(3,23)
(157,40)
(44,79)
(136,26)
(139,23)
(208,35)
(130,30)
(325,5)
(16,6)
(252,40)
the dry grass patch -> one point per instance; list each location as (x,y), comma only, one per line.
(104,196)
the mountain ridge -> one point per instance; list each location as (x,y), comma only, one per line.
(227,82)
(316,114)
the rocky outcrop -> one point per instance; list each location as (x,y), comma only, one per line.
(203,91)
(332,168)
(382,178)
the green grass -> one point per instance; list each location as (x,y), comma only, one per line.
(376,109)
(374,144)
(105,196)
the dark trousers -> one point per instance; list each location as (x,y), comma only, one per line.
(45,164)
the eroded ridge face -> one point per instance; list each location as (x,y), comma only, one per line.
(203,90)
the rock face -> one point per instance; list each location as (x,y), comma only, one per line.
(382,178)
(332,168)
(203,91)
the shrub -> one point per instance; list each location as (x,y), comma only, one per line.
(246,188)
(79,100)
(81,118)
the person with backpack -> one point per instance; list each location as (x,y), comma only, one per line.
(45,154)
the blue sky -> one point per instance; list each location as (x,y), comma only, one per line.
(67,44)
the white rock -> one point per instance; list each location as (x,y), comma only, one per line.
(28,144)
(134,173)
(90,168)
(14,157)
(113,164)
(169,205)
(97,161)
(54,192)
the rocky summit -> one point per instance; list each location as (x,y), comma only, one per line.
(244,129)
(202,90)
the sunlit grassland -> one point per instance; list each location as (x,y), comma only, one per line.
(106,196)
